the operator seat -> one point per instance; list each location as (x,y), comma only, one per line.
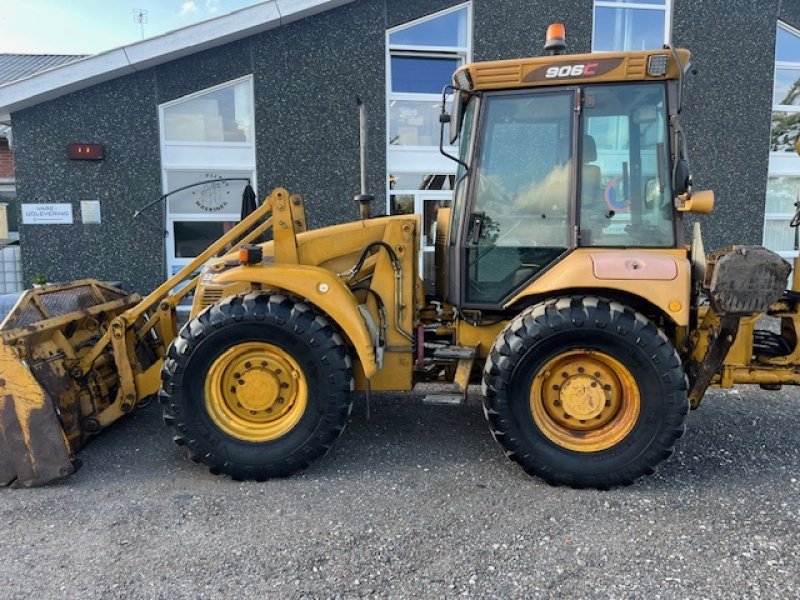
(593,207)
(591,192)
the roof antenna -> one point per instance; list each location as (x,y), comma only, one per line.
(140,17)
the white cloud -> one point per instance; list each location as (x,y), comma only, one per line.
(188,7)
(212,6)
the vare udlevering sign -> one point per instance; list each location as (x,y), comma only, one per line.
(47,214)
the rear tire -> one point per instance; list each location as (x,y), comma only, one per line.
(585,392)
(257,386)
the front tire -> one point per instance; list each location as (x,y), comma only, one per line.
(585,392)
(257,386)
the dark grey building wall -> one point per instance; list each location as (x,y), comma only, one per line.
(728,102)
(119,114)
(307,76)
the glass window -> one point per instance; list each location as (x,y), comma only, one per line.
(785,129)
(625,189)
(216,197)
(422,74)
(10,198)
(621,27)
(787,87)
(520,221)
(222,115)
(415,122)
(421,181)
(782,193)
(193,237)
(787,46)
(449,29)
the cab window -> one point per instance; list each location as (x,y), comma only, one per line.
(625,197)
(520,220)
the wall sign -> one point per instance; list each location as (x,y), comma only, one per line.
(85,152)
(90,211)
(59,213)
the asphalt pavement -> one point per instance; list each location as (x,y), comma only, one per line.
(418,501)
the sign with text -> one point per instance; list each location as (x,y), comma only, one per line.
(90,211)
(59,213)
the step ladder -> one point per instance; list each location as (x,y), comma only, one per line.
(464,356)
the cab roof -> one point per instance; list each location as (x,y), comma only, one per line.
(572,69)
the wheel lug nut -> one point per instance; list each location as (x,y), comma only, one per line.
(566,416)
(594,384)
(263,363)
(583,420)
(278,371)
(237,375)
(241,382)
(608,402)
(607,387)
(280,400)
(556,387)
(597,374)
(581,369)
(233,389)
(248,365)
(252,412)
(556,402)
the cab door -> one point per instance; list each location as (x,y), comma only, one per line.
(522,188)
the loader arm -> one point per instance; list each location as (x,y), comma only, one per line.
(77,357)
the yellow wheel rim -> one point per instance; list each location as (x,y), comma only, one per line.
(255,392)
(584,400)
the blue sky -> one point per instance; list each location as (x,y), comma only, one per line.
(91,26)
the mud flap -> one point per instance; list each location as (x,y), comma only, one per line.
(33,448)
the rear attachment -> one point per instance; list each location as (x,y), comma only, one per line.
(48,405)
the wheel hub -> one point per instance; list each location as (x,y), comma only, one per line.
(255,391)
(581,397)
(584,400)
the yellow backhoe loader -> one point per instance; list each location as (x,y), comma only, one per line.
(563,285)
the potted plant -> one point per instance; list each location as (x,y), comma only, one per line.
(39,280)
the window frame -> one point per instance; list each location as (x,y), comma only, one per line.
(666,8)
(781,163)
(202,157)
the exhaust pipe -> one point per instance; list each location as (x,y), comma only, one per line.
(363,198)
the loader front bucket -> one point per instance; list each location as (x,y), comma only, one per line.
(33,448)
(47,408)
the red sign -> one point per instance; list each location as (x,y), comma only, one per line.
(85,152)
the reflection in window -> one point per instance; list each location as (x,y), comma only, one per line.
(415,122)
(520,221)
(618,26)
(786,91)
(221,115)
(423,55)
(625,194)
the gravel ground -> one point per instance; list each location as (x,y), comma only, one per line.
(418,501)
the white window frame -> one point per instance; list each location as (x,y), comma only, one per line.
(415,159)
(666,8)
(203,156)
(782,164)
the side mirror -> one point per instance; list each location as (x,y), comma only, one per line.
(680,177)
(456,116)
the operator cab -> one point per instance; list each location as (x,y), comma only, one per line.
(568,152)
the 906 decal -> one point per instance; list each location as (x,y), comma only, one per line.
(579,70)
